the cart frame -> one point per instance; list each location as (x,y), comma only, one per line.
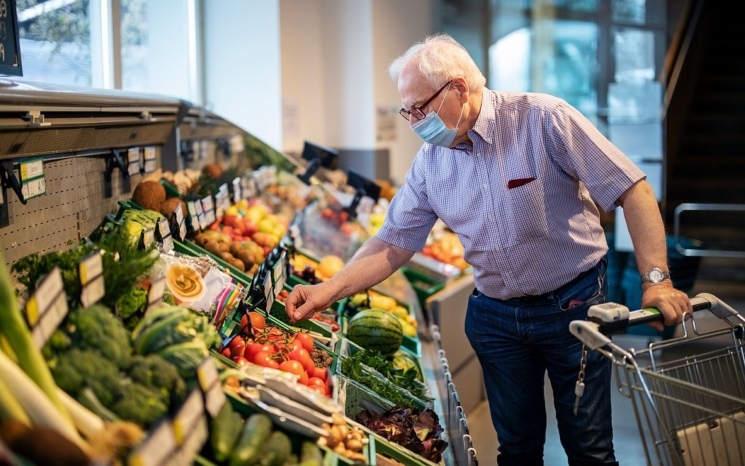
(689,407)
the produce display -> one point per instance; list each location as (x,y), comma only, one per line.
(175,338)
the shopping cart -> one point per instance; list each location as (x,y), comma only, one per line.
(688,392)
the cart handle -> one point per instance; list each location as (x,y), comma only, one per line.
(612,318)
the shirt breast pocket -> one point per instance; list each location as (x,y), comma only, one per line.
(526,206)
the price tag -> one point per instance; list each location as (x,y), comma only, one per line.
(157,448)
(278,271)
(191,206)
(198,208)
(133,160)
(208,204)
(268,294)
(214,399)
(151,162)
(155,293)
(47,307)
(207,374)
(33,182)
(297,238)
(179,214)
(237,191)
(196,439)
(164,234)
(249,187)
(188,416)
(147,238)
(90,271)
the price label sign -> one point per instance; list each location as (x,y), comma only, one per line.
(155,292)
(237,191)
(194,442)
(47,307)
(157,448)
(268,293)
(133,160)
(147,238)
(188,416)
(164,234)
(249,187)
(209,382)
(278,273)
(151,162)
(90,271)
(297,238)
(193,216)
(33,183)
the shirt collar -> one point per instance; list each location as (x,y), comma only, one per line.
(486,119)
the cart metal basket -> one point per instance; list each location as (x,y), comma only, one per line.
(687,393)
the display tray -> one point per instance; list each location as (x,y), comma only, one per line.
(423,284)
(192,249)
(355,395)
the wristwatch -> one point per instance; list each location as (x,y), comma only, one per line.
(655,275)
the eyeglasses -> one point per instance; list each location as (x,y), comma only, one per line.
(417,111)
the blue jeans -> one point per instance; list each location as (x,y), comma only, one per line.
(517,341)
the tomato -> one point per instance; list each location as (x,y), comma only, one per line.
(258,321)
(295,345)
(291,366)
(302,356)
(274,334)
(316,381)
(262,358)
(238,350)
(319,390)
(320,373)
(306,340)
(235,341)
(252,349)
(240,360)
(226,352)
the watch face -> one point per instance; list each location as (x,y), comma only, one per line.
(655,276)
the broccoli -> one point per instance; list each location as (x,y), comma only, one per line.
(154,372)
(140,405)
(96,328)
(58,342)
(76,369)
(131,305)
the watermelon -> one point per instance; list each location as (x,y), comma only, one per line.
(376,330)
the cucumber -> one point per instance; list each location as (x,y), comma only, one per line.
(225,428)
(310,454)
(252,439)
(276,450)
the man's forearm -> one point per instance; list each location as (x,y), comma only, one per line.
(645,226)
(375,261)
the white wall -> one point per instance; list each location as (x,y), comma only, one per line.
(242,65)
(335,57)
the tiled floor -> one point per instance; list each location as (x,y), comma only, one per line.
(627,442)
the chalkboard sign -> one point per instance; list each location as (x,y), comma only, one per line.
(10,49)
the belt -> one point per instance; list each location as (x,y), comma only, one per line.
(545,296)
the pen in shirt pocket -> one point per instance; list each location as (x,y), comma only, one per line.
(517,182)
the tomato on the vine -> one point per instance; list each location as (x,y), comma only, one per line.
(292,367)
(315,381)
(253,348)
(262,358)
(258,321)
(319,390)
(306,340)
(320,373)
(302,356)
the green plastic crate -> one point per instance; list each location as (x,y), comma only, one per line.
(355,396)
(409,343)
(382,446)
(424,286)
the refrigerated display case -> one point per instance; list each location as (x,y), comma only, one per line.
(72,157)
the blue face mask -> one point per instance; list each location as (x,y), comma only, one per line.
(432,129)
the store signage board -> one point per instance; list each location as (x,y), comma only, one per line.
(133,160)
(90,270)
(151,162)
(10,45)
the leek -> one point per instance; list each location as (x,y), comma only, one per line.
(29,356)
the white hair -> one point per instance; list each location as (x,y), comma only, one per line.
(439,58)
